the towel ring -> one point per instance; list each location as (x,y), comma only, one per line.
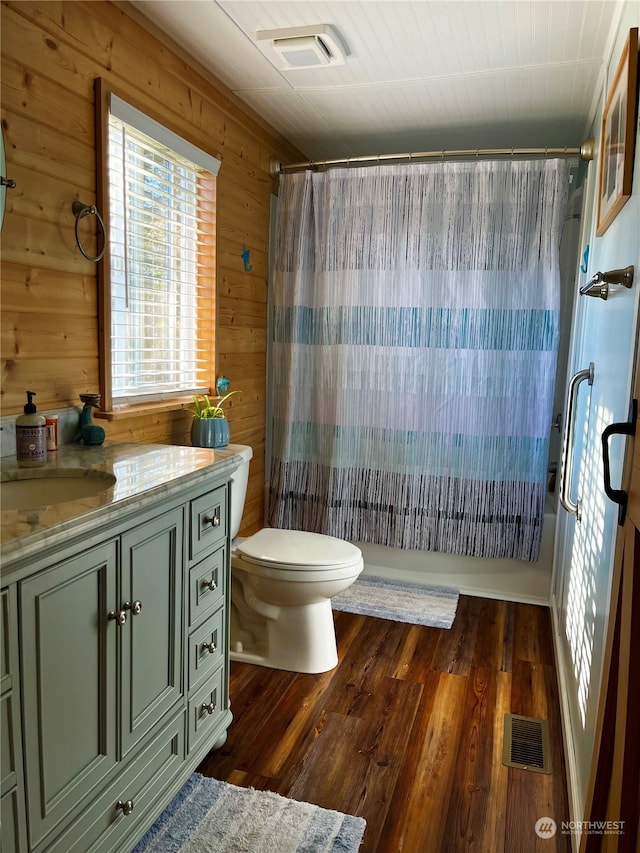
(81,210)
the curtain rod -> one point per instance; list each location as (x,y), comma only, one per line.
(585,152)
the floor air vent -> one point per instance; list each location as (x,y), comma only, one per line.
(526,744)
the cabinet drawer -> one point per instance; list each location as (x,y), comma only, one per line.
(144,780)
(208,522)
(206,709)
(206,586)
(206,646)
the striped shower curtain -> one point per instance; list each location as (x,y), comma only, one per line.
(415,328)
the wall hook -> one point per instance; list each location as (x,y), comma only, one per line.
(584,266)
(81,210)
(246,259)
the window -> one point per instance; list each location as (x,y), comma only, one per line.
(159,274)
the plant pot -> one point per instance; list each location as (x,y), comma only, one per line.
(209,432)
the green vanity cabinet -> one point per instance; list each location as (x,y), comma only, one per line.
(105,657)
(124,668)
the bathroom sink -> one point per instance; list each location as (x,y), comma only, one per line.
(36,489)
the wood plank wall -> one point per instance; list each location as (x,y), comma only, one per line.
(51,53)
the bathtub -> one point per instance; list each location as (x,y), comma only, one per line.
(511,580)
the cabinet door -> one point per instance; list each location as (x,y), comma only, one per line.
(12,803)
(152,567)
(13,839)
(69,683)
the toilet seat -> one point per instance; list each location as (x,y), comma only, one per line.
(298,551)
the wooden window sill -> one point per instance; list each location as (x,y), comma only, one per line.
(135,410)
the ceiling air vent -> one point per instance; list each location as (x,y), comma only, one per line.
(305,47)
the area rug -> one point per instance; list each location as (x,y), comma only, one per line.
(208,816)
(399,601)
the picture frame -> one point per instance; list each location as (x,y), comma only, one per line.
(617,138)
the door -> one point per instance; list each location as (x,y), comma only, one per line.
(69,683)
(151,590)
(614,790)
(604,334)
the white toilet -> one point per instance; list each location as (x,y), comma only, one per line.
(282,582)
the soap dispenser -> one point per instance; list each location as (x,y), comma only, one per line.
(31,436)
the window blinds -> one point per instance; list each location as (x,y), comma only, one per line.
(161,242)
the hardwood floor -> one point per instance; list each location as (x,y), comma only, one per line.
(407,731)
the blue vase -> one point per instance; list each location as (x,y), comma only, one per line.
(209,432)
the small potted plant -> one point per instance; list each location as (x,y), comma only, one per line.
(210,427)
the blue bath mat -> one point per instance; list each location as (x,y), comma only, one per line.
(208,816)
(400,601)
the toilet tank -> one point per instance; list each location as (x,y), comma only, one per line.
(239,485)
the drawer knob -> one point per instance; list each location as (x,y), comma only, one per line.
(127,806)
(209,647)
(210,585)
(209,708)
(214,522)
(119,617)
(135,608)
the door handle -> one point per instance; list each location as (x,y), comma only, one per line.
(627,427)
(568,440)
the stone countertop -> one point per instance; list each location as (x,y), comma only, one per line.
(144,473)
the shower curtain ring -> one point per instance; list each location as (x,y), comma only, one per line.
(81,210)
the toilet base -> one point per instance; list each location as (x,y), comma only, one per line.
(301,639)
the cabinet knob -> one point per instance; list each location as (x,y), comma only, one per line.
(214,522)
(210,585)
(119,617)
(127,806)
(209,647)
(135,608)
(208,708)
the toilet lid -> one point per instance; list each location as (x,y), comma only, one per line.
(293,548)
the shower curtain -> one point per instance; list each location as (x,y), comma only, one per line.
(415,328)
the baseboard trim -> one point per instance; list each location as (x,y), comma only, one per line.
(573,793)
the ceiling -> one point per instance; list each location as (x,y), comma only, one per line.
(418,76)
